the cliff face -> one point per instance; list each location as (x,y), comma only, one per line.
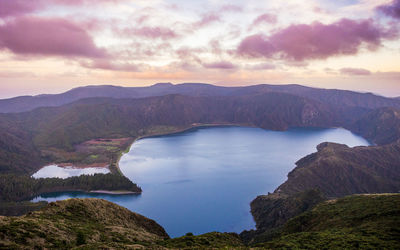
(75,222)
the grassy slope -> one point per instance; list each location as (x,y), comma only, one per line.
(66,224)
(359,221)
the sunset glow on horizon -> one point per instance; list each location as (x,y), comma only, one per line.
(51,46)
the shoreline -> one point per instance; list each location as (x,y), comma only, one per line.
(119,192)
(114,166)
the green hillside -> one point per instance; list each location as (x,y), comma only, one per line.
(353,222)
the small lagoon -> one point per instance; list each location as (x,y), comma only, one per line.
(67,171)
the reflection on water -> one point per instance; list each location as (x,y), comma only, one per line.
(68,171)
(204,180)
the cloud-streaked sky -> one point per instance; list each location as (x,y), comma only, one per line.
(49,46)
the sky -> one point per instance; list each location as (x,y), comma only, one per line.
(50,46)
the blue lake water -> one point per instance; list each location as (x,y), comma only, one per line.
(204,179)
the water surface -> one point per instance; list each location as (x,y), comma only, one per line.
(67,171)
(203,180)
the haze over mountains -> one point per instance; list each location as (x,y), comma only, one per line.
(331,96)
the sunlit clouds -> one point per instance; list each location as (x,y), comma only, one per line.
(49,46)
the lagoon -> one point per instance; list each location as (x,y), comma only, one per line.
(67,171)
(204,179)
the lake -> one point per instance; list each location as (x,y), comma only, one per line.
(204,179)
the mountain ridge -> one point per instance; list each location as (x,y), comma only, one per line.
(331,96)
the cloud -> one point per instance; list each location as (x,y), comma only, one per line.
(206,20)
(231,8)
(13,8)
(152,32)
(109,65)
(18,7)
(48,37)
(265,18)
(392,9)
(316,41)
(15,74)
(261,66)
(219,65)
(355,71)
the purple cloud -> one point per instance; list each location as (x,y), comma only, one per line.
(42,36)
(18,7)
(316,41)
(355,71)
(207,19)
(265,18)
(21,7)
(231,8)
(392,9)
(109,65)
(220,65)
(153,32)
(262,66)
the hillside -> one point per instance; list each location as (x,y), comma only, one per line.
(354,222)
(358,221)
(381,125)
(17,152)
(335,170)
(79,222)
(56,132)
(328,96)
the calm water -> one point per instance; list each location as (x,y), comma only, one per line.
(65,172)
(203,180)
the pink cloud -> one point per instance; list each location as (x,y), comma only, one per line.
(21,7)
(231,8)
(265,18)
(392,9)
(220,65)
(18,7)
(153,32)
(262,66)
(355,71)
(316,41)
(207,19)
(109,65)
(42,36)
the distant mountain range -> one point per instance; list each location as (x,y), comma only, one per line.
(329,96)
